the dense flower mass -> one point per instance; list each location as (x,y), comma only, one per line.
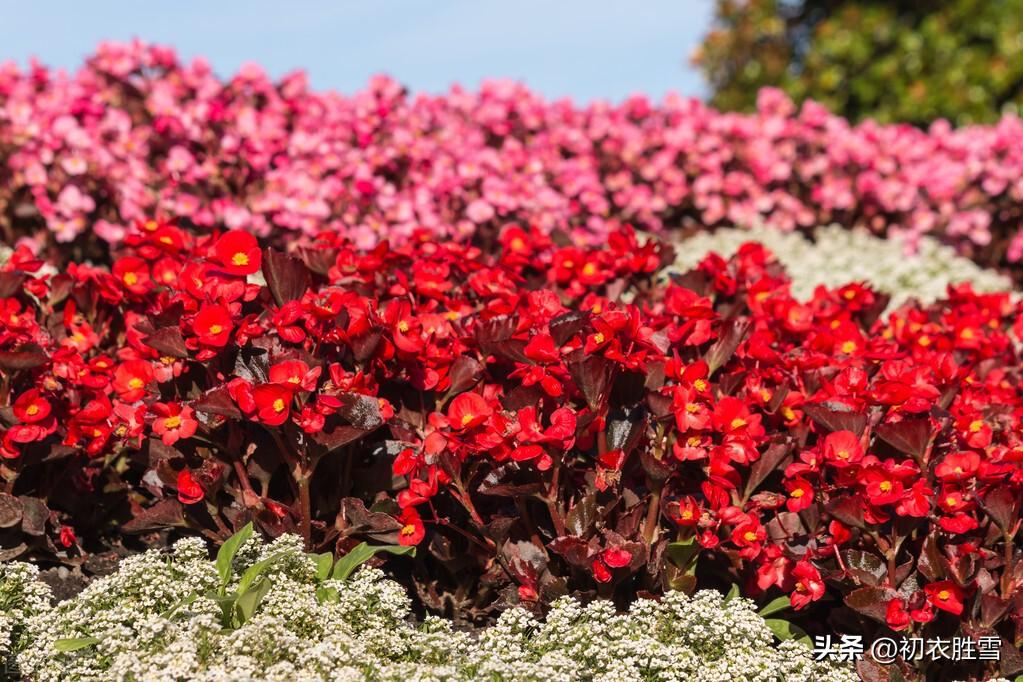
(134,625)
(542,421)
(837,256)
(136,134)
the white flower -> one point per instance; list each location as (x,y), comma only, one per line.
(367,633)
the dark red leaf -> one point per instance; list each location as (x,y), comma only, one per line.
(25,357)
(168,341)
(287,277)
(836,420)
(909,436)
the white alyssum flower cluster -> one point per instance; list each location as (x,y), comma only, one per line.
(838,256)
(142,631)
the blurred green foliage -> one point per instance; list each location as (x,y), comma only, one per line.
(892,61)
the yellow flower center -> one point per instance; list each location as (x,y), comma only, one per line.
(738,423)
(848,347)
(403,326)
(135,383)
(130,278)
(944,595)
(598,338)
(976,425)
(797,493)
(788,413)
(517,244)
(408,530)
(750,536)
(951,501)
(589,269)
(692,407)
(924,341)
(700,385)
(686,514)
(172,422)
(32,410)
(216,329)
(279,405)
(466,418)
(885,486)
(240,259)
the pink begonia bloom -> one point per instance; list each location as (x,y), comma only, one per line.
(479,211)
(108,231)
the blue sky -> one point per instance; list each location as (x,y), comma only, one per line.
(585,49)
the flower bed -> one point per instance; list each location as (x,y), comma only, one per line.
(136,133)
(837,256)
(157,618)
(541,422)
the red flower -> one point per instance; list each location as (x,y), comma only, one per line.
(272,403)
(688,512)
(31,407)
(67,536)
(133,274)
(732,417)
(468,410)
(189,490)
(213,325)
(800,494)
(173,422)
(412,529)
(616,557)
(295,374)
(131,379)
(958,466)
(601,573)
(882,487)
(945,595)
(237,253)
(896,615)
(842,448)
(809,585)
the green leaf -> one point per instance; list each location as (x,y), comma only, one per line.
(256,570)
(733,592)
(75,643)
(184,602)
(683,554)
(248,602)
(325,594)
(362,553)
(225,556)
(774,606)
(785,630)
(324,562)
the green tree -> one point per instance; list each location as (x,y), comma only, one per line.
(895,60)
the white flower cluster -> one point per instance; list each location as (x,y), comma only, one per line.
(141,628)
(838,256)
(22,596)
